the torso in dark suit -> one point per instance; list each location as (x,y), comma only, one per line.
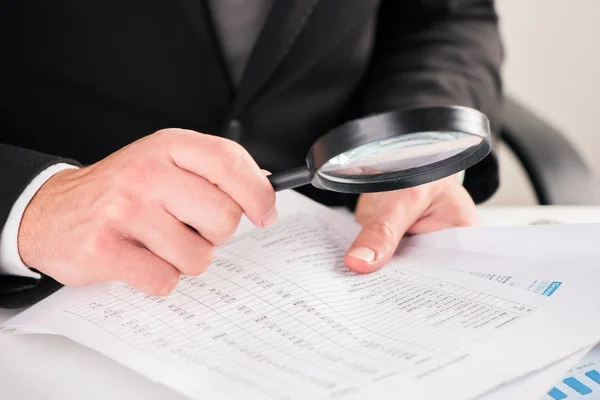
(81,79)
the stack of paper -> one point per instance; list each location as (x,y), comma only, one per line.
(278,316)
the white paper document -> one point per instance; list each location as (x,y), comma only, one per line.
(566,241)
(582,377)
(557,254)
(581,381)
(279,316)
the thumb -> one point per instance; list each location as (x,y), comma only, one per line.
(379,239)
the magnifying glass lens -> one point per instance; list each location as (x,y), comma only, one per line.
(393,150)
(399,153)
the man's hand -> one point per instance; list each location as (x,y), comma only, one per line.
(146,214)
(387,216)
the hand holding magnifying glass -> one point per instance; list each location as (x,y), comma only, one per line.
(393,150)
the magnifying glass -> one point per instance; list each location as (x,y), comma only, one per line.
(393,150)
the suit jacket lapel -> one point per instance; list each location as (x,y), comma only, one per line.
(197,16)
(305,25)
(283,26)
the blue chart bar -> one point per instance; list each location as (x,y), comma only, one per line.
(577,386)
(557,394)
(593,375)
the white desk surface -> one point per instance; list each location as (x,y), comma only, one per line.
(506,216)
(54,368)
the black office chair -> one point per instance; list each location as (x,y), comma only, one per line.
(557,172)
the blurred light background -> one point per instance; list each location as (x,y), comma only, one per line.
(553,67)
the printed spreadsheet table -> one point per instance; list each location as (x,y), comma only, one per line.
(354,329)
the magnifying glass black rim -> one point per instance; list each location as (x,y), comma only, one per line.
(396,123)
(406,178)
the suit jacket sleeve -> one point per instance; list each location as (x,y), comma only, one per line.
(17,168)
(437,52)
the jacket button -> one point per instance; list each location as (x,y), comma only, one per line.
(234,130)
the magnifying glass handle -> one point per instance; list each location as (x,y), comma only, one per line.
(290,179)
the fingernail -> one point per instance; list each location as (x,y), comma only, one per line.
(270,218)
(362,253)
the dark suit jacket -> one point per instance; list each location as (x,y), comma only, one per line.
(80,79)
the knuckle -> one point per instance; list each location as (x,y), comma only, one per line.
(162,134)
(165,138)
(170,137)
(168,133)
(232,214)
(178,142)
(383,228)
(97,244)
(233,156)
(199,262)
(117,210)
